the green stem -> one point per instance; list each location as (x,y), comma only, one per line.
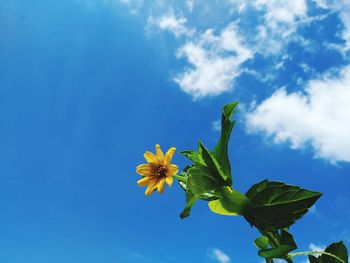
(180,178)
(316,252)
(274,242)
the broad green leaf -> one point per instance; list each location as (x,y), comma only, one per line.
(338,249)
(201,182)
(286,244)
(278,205)
(262,242)
(208,196)
(232,202)
(190,197)
(205,175)
(213,165)
(220,150)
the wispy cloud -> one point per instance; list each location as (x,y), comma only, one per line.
(190,5)
(342,7)
(216,125)
(219,256)
(216,54)
(133,5)
(215,62)
(314,247)
(279,23)
(172,22)
(319,117)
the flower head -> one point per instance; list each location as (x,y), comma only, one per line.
(157,171)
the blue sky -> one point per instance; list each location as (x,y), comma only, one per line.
(86,86)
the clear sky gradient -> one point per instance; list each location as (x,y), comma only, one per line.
(86,86)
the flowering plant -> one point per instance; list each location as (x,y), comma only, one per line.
(269,206)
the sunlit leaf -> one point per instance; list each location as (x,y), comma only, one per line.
(220,150)
(262,242)
(232,202)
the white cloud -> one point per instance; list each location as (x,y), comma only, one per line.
(215,58)
(216,125)
(280,22)
(190,5)
(134,5)
(342,7)
(175,23)
(282,11)
(320,117)
(220,256)
(314,247)
(215,61)
(345,17)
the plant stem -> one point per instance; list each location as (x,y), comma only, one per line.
(275,243)
(316,252)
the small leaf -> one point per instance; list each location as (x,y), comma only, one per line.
(190,201)
(278,205)
(262,242)
(194,156)
(232,202)
(286,244)
(220,150)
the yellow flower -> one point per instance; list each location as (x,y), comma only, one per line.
(157,171)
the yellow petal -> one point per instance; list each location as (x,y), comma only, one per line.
(159,154)
(151,186)
(169,180)
(172,169)
(144,181)
(169,155)
(150,157)
(144,169)
(160,185)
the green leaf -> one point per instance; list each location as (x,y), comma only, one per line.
(213,165)
(190,201)
(210,170)
(208,196)
(338,249)
(220,150)
(286,244)
(262,242)
(205,175)
(201,183)
(278,205)
(232,202)
(194,156)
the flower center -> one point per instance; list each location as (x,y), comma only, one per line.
(160,170)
